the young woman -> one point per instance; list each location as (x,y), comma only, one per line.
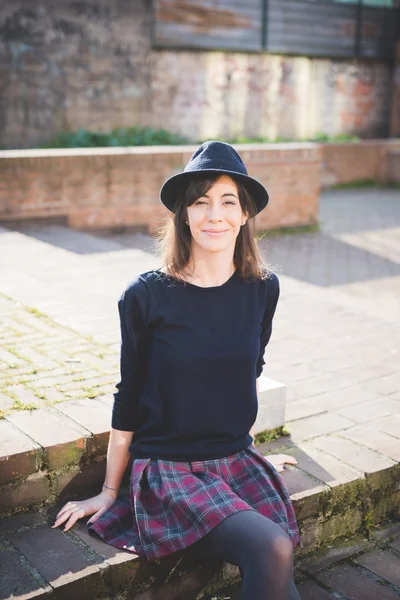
(193,339)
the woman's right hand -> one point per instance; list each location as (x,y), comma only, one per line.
(72,511)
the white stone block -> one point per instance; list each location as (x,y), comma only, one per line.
(271,404)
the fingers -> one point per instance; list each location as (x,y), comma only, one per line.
(75,515)
(67,507)
(290,460)
(97,515)
(70,510)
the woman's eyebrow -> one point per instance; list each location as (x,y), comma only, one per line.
(223,195)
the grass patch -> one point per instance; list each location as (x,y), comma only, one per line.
(270,435)
(357,183)
(319,137)
(366,183)
(278,231)
(18,405)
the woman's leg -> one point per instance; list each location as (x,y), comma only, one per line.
(261,550)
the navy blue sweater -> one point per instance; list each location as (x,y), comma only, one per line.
(189,360)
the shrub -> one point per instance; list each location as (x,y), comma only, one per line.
(131,136)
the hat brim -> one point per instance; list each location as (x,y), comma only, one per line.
(169,192)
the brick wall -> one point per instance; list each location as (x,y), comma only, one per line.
(88,64)
(120,187)
(365,161)
(395,107)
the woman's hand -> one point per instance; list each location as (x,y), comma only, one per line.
(72,511)
(279,460)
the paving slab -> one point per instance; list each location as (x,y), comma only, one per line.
(93,415)
(355,585)
(16,581)
(356,456)
(328,556)
(390,425)
(19,454)
(61,562)
(383,564)
(312,591)
(395,545)
(323,466)
(62,441)
(372,410)
(371,437)
(311,427)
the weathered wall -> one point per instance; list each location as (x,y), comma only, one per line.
(232,94)
(67,64)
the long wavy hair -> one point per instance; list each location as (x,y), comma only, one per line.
(175,238)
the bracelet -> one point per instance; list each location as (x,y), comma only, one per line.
(110,488)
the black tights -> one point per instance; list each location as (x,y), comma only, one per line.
(260,548)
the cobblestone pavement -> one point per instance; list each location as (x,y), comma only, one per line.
(336,333)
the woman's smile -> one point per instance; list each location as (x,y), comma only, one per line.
(215,232)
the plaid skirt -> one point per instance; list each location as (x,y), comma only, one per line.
(173,504)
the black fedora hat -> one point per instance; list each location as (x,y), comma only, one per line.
(214,157)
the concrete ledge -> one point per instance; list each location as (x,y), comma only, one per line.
(271,405)
(53,453)
(42,562)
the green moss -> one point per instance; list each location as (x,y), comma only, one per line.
(270,435)
(18,405)
(368,521)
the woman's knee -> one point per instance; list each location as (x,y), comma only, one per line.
(274,551)
(282,550)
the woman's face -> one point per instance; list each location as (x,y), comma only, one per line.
(215,219)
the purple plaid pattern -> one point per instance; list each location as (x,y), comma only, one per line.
(174,504)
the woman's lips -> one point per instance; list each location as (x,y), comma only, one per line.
(215,232)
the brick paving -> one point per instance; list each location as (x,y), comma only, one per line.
(335,345)
(336,336)
(44,362)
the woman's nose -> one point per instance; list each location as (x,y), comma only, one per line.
(214,213)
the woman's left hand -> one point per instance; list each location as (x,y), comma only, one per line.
(280,460)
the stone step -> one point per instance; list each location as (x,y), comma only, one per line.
(51,453)
(39,562)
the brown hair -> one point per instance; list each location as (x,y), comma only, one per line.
(175,237)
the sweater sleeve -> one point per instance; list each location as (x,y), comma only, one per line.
(266,326)
(132,308)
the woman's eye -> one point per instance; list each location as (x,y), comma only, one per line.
(200,202)
(230,202)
